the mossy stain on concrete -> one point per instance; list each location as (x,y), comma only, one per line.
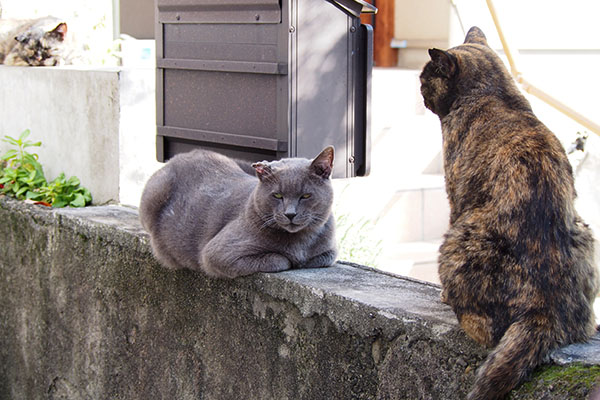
(575,381)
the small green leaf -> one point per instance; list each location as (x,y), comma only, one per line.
(60,179)
(59,203)
(79,201)
(29,144)
(33,195)
(10,140)
(73,181)
(87,195)
(24,135)
(21,191)
(9,154)
(29,158)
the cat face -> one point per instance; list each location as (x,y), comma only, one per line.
(295,194)
(38,46)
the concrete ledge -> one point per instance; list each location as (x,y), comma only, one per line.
(86,312)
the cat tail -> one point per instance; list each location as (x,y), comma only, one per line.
(521,349)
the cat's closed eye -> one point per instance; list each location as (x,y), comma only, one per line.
(306,196)
(278,196)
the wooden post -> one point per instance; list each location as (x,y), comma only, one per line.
(383,32)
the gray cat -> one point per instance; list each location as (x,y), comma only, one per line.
(36,42)
(203,212)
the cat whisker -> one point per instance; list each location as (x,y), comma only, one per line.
(317,219)
(268,222)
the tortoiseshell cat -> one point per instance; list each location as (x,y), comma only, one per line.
(516,264)
(203,212)
(37,42)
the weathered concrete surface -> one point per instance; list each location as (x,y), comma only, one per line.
(86,313)
(584,353)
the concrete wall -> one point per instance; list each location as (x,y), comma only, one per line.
(418,26)
(86,313)
(96,124)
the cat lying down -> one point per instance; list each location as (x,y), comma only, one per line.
(35,42)
(203,212)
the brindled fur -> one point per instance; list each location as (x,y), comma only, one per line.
(516,264)
(35,42)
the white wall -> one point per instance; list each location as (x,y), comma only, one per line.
(137,132)
(96,124)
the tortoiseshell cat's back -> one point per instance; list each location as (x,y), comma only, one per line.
(516,264)
(35,42)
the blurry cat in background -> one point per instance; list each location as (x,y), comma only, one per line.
(35,42)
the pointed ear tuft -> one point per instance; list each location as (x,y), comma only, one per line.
(263,170)
(444,62)
(322,165)
(60,31)
(476,36)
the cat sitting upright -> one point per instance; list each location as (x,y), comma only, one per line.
(36,42)
(203,212)
(516,264)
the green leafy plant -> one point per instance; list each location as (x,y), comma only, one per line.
(63,192)
(21,171)
(22,177)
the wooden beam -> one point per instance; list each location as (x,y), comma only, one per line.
(383,33)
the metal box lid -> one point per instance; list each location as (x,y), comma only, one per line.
(264,79)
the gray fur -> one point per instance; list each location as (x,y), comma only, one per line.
(203,212)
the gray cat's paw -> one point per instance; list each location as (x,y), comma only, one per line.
(276,268)
(323,260)
(272,262)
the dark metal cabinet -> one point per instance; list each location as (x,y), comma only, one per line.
(264,79)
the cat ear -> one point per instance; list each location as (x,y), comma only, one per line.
(322,165)
(263,170)
(444,62)
(60,31)
(476,35)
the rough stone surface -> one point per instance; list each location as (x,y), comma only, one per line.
(87,313)
(587,354)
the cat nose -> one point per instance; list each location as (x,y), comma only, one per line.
(290,215)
